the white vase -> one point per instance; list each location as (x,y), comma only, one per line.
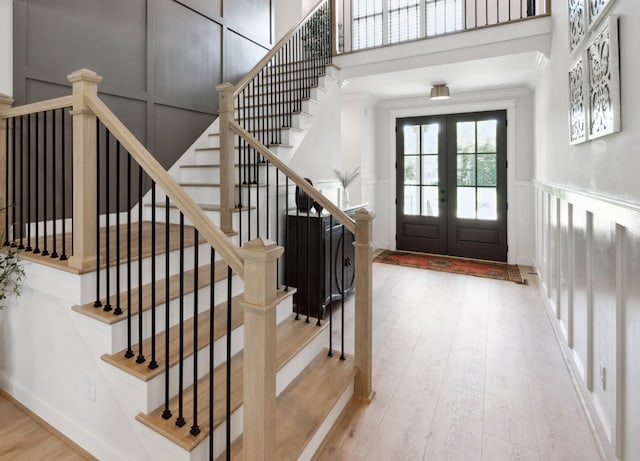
(344,198)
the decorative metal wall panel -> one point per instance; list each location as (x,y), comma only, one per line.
(577,103)
(596,9)
(577,24)
(604,80)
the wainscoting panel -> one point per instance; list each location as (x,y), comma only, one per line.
(578,288)
(588,257)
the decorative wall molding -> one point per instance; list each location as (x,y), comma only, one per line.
(587,248)
(596,9)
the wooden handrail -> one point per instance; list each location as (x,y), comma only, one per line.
(51,104)
(214,236)
(265,60)
(311,191)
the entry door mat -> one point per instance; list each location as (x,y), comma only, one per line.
(475,267)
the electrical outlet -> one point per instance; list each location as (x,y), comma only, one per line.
(603,376)
(90,386)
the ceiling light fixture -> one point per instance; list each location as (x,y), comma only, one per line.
(440,91)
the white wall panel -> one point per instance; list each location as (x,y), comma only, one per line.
(603,290)
(579,289)
(588,254)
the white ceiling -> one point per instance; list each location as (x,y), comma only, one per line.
(514,70)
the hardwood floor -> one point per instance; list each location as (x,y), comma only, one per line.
(465,368)
(26,437)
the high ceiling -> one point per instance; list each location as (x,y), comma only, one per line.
(515,70)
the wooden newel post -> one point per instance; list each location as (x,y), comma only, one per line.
(83,82)
(227,160)
(363,310)
(260,295)
(5,103)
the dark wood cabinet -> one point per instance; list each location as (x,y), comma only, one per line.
(320,261)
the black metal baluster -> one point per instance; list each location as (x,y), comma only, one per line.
(331,275)
(286,231)
(308,268)
(63,139)
(228,367)
(54,196)
(107,235)
(45,149)
(36,248)
(118,309)
(129,353)
(342,294)
(321,264)
(14,183)
(298,277)
(7,172)
(97,302)
(140,358)
(29,171)
(195,429)
(166,413)
(153,364)
(212,305)
(181,421)
(277,224)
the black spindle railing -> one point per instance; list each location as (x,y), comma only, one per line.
(35,182)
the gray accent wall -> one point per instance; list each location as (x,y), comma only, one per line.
(161,60)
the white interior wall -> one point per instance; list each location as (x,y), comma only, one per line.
(321,151)
(6,47)
(587,226)
(519,106)
(288,13)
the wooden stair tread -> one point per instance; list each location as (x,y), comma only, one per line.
(221,271)
(304,404)
(202,184)
(204,206)
(291,336)
(142,370)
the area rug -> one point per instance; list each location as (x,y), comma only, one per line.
(487,269)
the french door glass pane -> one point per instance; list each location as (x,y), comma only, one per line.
(466,206)
(466,170)
(430,138)
(429,170)
(466,137)
(412,200)
(487,203)
(411,139)
(487,170)
(411,169)
(430,201)
(487,132)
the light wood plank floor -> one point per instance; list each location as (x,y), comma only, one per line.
(24,438)
(465,368)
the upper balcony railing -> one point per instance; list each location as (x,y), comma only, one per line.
(363,24)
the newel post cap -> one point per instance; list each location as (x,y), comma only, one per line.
(84,75)
(5,100)
(225,87)
(261,249)
(363,214)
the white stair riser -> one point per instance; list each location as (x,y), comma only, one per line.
(174,216)
(259,118)
(211,174)
(154,388)
(204,257)
(267,98)
(211,194)
(119,329)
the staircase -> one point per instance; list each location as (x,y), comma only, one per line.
(202,348)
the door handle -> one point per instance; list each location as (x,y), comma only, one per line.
(442,200)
